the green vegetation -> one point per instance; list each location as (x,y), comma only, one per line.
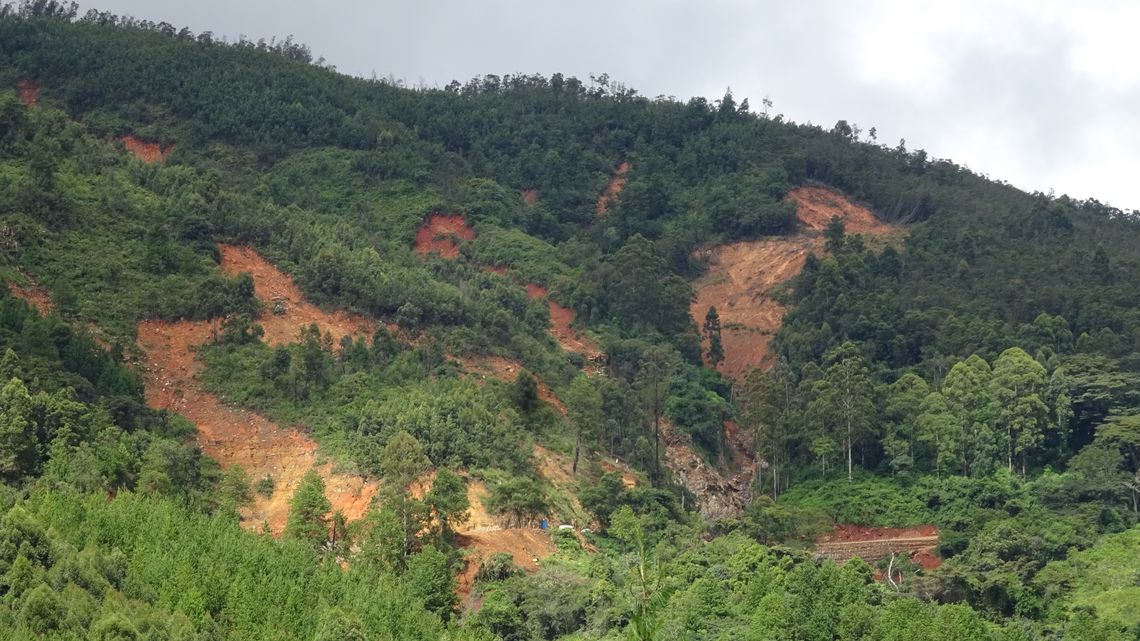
(982,375)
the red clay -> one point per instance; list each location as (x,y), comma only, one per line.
(742,275)
(815,206)
(238,437)
(148,152)
(502,270)
(29,92)
(438,233)
(33,294)
(529,197)
(610,194)
(847,532)
(561,319)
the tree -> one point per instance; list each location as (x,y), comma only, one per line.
(715,353)
(584,410)
(520,499)
(308,509)
(969,397)
(1019,385)
(902,413)
(448,501)
(403,462)
(843,400)
(767,409)
(524,392)
(652,383)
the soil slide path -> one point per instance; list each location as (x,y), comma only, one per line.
(873,544)
(29,92)
(148,152)
(570,339)
(610,194)
(234,436)
(742,275)
(34,294)
(438,234)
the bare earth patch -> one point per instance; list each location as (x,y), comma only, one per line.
(742,276)
(234,436)
(610,194)
(148,152)
(29,91)
(570,339)
(438,235)
(33,294)
(529,197)
(873,544)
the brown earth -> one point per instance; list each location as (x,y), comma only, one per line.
(742,276)
(148,152)
(29,91)
(570,339)
(438,234)
(505,369)
(610,194)
(815,206)
(275,288)
(33,294)
(235,436)
(529,197)
(873,544)
(528,547)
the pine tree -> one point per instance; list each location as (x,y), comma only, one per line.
(715,354)
(307,511)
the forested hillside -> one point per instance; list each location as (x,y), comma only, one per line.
(290,354)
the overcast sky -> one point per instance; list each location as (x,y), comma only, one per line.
(1043,94)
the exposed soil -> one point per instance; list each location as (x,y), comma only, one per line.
(439,233)
(610,194)
(277,289)
(234,436)
(29,91)
(529,197)
(148,152)
(876,543)
(33,294)
(570,339)
(505,369)
(739,284)
(742,276)
(815,206)
(528,546)
(501,270)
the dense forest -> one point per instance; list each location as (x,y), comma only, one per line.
(974,373)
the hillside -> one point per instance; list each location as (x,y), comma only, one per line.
(291,354)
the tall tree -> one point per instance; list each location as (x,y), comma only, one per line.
(652,381)
(969,396)
(1019,385)
(308,510)
(767,409)
(843,400)
(584,410)
(715,353)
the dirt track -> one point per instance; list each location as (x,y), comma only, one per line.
(875,543)
(33,294)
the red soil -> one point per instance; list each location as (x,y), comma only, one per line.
(29,91)
(529,197)
(505,369)
(847,532)
(271,286)
(33,294)
(238,437)
(609,195)
(875,543)
(148,152)
(815,206)
(528,546)
(570,339)
(438,233)
(742,275)
(501,270)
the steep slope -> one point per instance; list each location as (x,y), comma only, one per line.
(238,437)
(743,276)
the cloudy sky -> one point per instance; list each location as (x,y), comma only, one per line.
(1042,94)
